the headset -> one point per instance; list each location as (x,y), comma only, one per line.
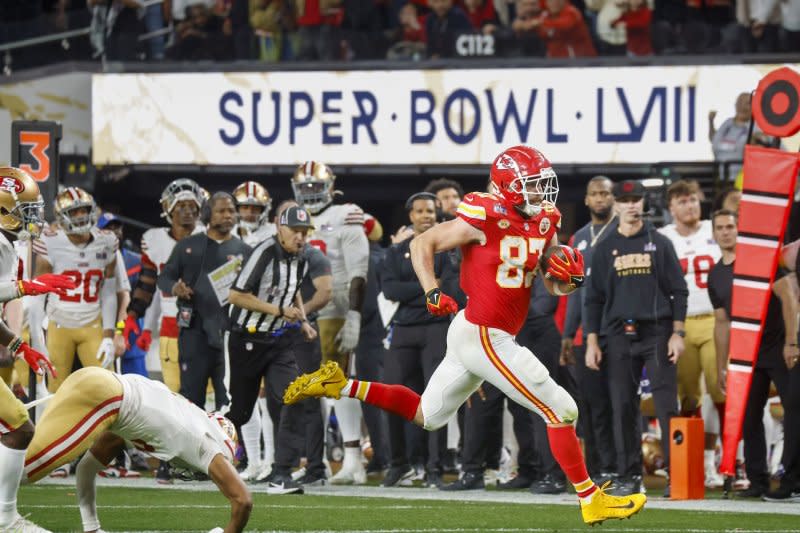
(205,209)
(419,196)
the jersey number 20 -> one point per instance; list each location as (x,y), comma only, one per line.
(514,251)
(88,288)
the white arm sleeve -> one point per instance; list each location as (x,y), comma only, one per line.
(36,321)
(121,275)
(153,313)
(85,476)
(9,290)
(108,303)
(356,251)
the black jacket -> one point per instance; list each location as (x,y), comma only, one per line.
(637,277)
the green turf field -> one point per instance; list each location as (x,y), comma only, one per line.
(148,509)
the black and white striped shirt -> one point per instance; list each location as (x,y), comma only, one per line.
(274,277)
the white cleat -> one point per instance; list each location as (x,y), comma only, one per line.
(714,479)
(250,473)
(352,473)
(23,525)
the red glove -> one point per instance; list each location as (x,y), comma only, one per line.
(131,326)
(145,340)
(45,283)
(439,303)
(32,357)
(567,269)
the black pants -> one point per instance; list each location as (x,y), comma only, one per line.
(200,362)
(309,356)
(791,430)
(370,354)
(755,442)
(251,358)
(540,335)
(626,358)
(483,428)
(415,353)
(595,423)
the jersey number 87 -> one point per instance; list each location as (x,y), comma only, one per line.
(514,251)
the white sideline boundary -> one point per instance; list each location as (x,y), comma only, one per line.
(510,497)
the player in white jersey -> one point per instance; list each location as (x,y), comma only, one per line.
(99,411)
(20,219)
(698,253)
(253,204)
(180,206)
(82,320)
(340,235)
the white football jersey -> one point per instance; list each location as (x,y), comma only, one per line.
(168,426)
(258,236)
(9,260)
(157,245)
(86,265)
(698,253)
(339,233)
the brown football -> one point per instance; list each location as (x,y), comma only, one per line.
(559,249)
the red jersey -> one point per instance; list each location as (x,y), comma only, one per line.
(497,276)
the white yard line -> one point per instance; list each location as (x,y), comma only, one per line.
(493,496)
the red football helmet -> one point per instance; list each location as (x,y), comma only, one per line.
(524,178)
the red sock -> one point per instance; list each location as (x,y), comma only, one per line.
(397,399)
(567,452)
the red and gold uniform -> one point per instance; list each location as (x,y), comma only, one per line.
(497,276)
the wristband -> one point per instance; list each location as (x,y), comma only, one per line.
(120,327)
(793,344)
(280,310)
(680,333)
(14,345)
(20,288)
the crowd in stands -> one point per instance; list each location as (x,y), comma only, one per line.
(345,30)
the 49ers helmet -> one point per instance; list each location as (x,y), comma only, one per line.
(312,184)
(68,202)
(524,177)
(21,203)
(252,193)
(177,191)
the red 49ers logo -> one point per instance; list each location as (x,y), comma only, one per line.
(9,183)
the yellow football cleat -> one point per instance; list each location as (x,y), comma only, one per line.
(606,506)
(327,382)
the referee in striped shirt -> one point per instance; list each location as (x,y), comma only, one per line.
(265,306)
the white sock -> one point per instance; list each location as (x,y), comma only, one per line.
(268,432)
(348,413)
(351,456)
(709,457)
(251,438)
(12,463)
(85,476)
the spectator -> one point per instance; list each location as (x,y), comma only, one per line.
(777,351)
(362,31)
(728,199)
(643,332)
(409,36)
(481,15)
(731,137)
(317,32)
(121,23)
(273,22)
(203,35)
(609,38)
(758,27)
(201,316)
(563,30)
(524,27)
(442,26)
(636,16)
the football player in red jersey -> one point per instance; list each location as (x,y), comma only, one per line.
(501,236)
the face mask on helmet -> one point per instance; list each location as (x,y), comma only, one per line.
(177,191)
(76,211)
(21,205)
(251,193)
(312,184)
(537,191)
